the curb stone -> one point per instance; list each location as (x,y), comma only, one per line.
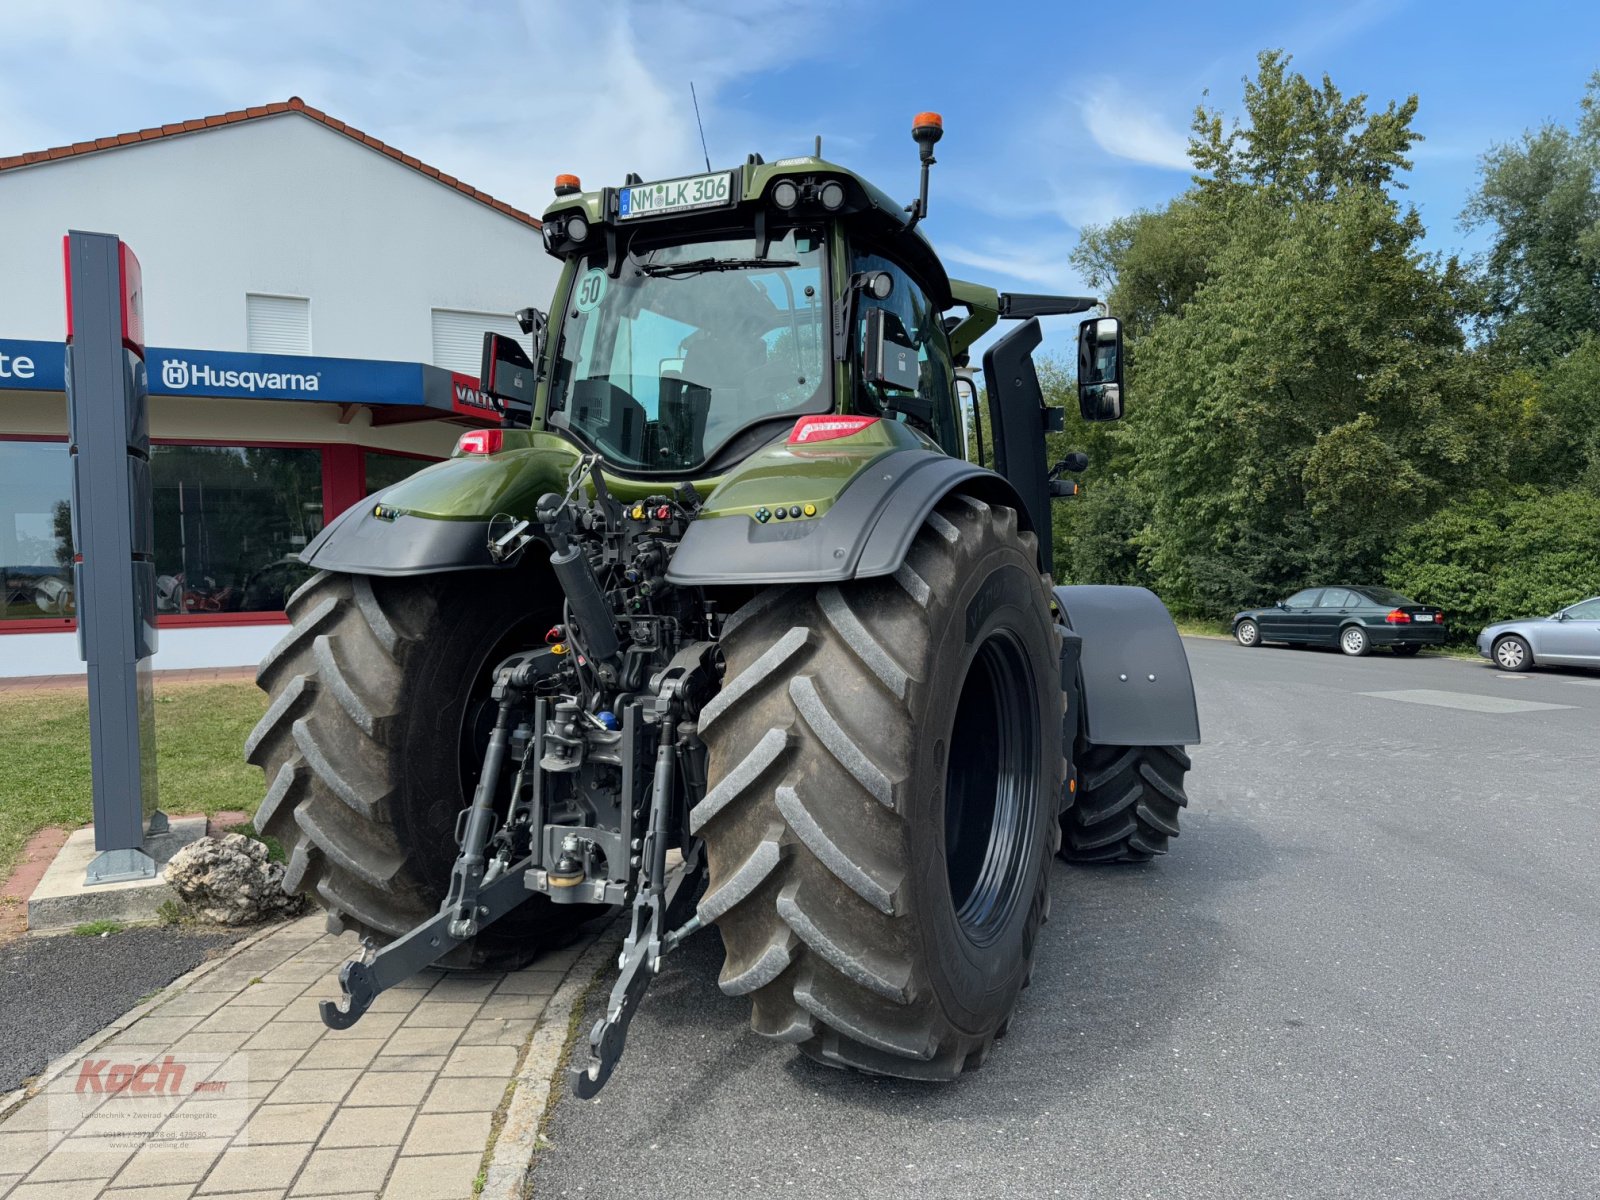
(538,1079)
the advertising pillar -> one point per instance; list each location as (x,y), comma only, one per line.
(113,536)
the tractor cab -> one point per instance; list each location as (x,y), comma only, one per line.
(698,319)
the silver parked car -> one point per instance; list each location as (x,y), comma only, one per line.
(1569,638)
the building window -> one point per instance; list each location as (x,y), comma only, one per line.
(458,337)
(230,524)
(385,469)
(35,531)
(277,324)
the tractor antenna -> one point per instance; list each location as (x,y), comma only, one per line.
(818,152)
(698,122)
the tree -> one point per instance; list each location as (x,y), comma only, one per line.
(1300,382)
(1540,197)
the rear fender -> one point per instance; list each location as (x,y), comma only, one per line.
(1133,673)
(864,533)
(438,519)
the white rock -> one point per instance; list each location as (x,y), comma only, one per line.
(229,881)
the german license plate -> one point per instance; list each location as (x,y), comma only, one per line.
(675,195)
(1424,618)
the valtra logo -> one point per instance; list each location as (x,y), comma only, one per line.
(467,396)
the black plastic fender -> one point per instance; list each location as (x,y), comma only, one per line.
(368,539)
(865,534)
(1133,672)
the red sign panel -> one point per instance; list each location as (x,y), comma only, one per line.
(466,398)
(131,297)
(132,300)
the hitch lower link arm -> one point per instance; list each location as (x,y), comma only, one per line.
(655,923)
(470,904)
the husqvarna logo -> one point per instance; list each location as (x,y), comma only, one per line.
(179,375)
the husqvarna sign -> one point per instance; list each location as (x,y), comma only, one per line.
(38,367)
(282,377)
(186,375)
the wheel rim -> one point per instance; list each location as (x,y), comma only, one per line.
(1247,633)
(1509,653)
(1353,640)
(991,789)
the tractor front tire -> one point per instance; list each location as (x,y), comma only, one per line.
(885,768)
(1126,805)
(372,743)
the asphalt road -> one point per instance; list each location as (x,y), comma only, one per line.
(56,991)
(1370,968)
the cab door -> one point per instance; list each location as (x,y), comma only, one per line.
(1323,620)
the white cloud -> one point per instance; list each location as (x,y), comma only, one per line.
(502,97)
(1044,262)
(1124,127)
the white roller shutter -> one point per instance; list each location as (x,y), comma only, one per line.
(458,337)
(277,324)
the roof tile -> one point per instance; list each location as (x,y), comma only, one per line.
(293,104)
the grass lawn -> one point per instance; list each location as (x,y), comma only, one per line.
(200,767)
(1200,627)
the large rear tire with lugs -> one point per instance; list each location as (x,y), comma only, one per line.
(1126,805)
(885,768)
(373,739)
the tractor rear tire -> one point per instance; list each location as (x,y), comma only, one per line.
(372,743)
(885,763)
(1127,802)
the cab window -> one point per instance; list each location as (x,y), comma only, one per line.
(935,408)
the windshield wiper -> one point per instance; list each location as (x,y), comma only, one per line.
(697,266)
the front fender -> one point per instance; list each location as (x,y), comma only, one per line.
(1133,672)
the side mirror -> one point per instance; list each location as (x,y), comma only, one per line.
(889,359)
(1100,369)
(507,375)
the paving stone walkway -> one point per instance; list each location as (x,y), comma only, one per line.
(228,1085)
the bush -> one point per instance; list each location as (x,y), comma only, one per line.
(1491,557)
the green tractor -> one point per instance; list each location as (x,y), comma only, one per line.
(722,627)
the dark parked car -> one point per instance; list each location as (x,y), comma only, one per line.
(1569,638)
(1355,619)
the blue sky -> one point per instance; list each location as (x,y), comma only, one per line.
(1056,114)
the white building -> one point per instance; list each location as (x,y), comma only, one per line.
(277,244)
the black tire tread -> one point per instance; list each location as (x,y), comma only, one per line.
(331,745)
(1127,803)
(803,824)
(328,793)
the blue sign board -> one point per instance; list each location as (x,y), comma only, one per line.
(40,367)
